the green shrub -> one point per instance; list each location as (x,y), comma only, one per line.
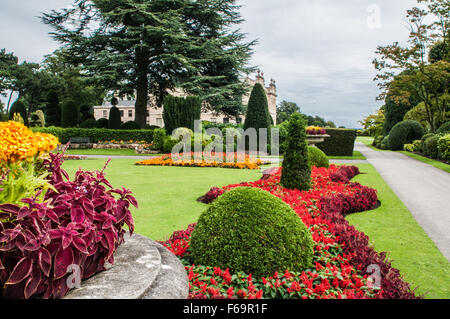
(408,148)
(69,114)
(377,141)
(97,134)
(403,133)
(340,143)
(317,158)
(445,128)
(169,143)
(102,123)
(181,112)
(384,145)
(250,230)
(430,146)
(296,172)
(19,107)
(444,147)
(423,139)
(114,122)
(159,136)
(89,123)
(130,125)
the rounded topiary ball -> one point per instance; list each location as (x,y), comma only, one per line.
(250,230)
(317,157)
(403,133)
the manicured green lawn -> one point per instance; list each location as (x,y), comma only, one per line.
(107,152)
(356,156)
(365,139)
(167,199)
(166,195)
(426,160)
(393,229)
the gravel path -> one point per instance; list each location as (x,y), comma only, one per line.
(424,189)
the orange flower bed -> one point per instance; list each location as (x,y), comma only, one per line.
(18,143)
(202,160)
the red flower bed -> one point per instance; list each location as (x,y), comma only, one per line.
(343,260)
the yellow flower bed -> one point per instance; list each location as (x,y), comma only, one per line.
(18,143)
(166,160)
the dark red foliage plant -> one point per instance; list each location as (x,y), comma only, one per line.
(81,224)
(211,195)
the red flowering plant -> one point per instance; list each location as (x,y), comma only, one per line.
(343,259)
(79,223)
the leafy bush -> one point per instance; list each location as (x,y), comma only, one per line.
(159,136)
(102,123)
(408,148)
(384,145)
(444,147)
(430,146)
(377,141)
(445,128)
(317,158)
(250,230)
(403,133)
(97,134)
(340,143)
(169,144)
(89,123)
(296,173)
(79,223)
(114,121)
(423,139)
(130,125)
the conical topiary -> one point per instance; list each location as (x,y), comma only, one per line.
(296,173)
(69,114)
(114,122)
(258,116)
(53,110)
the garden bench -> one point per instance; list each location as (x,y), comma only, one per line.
(79,140)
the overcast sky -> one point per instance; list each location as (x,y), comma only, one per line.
(318,51)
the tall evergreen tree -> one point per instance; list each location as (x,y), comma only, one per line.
(53,110)
(258,115)
(181,112)
(296,173)
(156,46)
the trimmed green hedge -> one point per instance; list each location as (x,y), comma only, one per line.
(97,134)
(340,143)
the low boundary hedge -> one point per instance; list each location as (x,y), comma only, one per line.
(340,143)
(97,134)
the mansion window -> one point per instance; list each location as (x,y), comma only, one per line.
(130,113)
(105,114)
(226,120)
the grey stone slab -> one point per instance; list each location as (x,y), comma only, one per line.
(172,282)
(136,267)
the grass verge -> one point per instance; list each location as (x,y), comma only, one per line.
(356,156)
(443,166)
(393,229)
(106,152)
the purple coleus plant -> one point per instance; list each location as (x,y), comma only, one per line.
(81,223)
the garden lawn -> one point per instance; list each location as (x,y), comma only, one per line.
(438,164)
(166,195)
(107,152)
(368,140)
(356,156)
(393,229)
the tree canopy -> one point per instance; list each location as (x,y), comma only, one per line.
(153,47)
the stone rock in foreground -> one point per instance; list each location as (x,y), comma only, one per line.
(143,269)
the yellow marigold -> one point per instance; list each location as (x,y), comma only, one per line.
(18,143)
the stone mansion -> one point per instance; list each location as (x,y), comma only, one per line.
(155,117)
